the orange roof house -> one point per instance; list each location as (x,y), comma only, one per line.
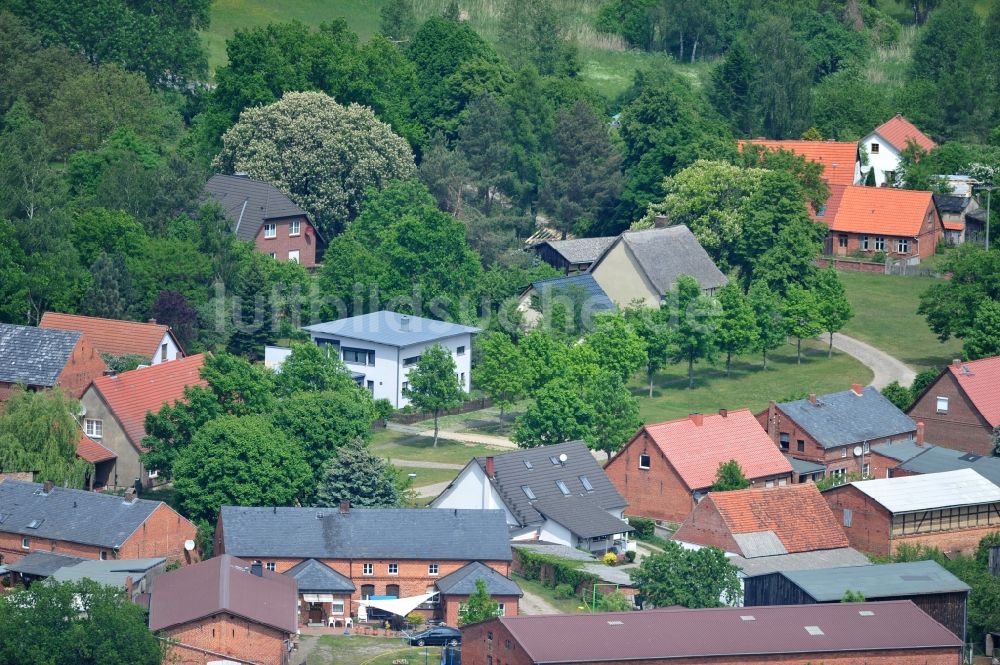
(764,522)
(103,460)
(839,159)
(115,337)
(961,408)
(884,147)
(898,132)
(899,222)
(667,467)
(116,406)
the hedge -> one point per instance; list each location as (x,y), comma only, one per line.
(644,527)
(532,566)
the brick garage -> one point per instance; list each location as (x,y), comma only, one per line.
(961,408)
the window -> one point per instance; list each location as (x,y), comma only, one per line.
(562,487)
(461,378)
(371,387)
(392,590)
(358,356)
(412,360)
(879,243)
(942,404)
(842,239)
(554,460)
(270,566)
(903,245)
(337,607)
(528,492)
(838,475)
(501,609)
(643,461)
(273,255)
(585,481)
(104,555)
(394,569)
(843,452)
(25,543)
(367,591)
(866,471)
(800,445)
(874,149)
(270,230)
(768,483)
(367,569)
(294,227)
(460,351)
(152,474)
(406,386)
(432,569)
(163,352)
(293,255)
(94,428)
(783,440)
(782,482)
(848,516)
(821,211)
(528,464)
(866,447)
(864,243)
(890,177)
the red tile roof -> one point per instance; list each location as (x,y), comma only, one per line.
(797,514)
(111,335)
(838,159)
(130,395)
(223,584)
(980,379)
(832,205)
(91,451)
(898,131)
(881,211)
(956,225)
(696,451)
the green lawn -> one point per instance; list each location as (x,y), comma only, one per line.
(885,316)
(483,421)
(356,649)
(397,445)
(428,476)
(749,386)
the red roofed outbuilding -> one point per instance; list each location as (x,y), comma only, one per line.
(668,467)
(115,409)
(115,337)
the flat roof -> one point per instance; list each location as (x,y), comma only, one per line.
(391,328)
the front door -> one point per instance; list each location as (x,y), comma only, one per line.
(316,613)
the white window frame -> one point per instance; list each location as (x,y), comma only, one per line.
(501,609)
(865,243)
(270,566)
(842,240)
(460,351)
(432,569)
(337,606)
(879,243)
(942,404)
(294,227)
(104,555)
(367,569)
(866,470)
(25,543)
(903,245)
(848,517)
(270,230)
(163,352)
(649,460)
(152,474)
(392,569)
(843,452)
(293,256)
(94,427)
(273,255)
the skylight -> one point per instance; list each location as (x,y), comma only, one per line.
(34,524)
(528,464)
(748,617)
(527,492)
(586,483)
(866,613)
(616,623)
(814,630)
(562,487)
(554,460)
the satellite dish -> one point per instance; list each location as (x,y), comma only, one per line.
(189,545)
(857,451)
(563,458)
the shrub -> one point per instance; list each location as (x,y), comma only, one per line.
(644,527)
(630,556)
(564,591)
(415,619)
(610,558)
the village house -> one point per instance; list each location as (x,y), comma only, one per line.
(954,212)
(113,415)
(385,560)
(225,610)
(885,145)
(574,255)
(88,525)
(951,511)
(933,589)
(667,468)
(838,159)
(154,342)
(889,633)
(455,589)
(961,408)
(262,214)
(836,430)
(579,294)
(37,359)
(381,348)
(558,494)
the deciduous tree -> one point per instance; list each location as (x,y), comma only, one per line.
(834,308)
(480,606)
(558,413)
(434,385)
(801,314)
(500,372)
(694,321)
(737,331)
(38,432)
(771,332)
(690,578)
(652,327)
(729,477)
(615,412)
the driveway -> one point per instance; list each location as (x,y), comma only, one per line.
(533,604)
(885,367)
(464,437)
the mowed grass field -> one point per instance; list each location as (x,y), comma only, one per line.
(885,316)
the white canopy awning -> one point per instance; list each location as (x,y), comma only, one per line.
(398,606)
(318,597)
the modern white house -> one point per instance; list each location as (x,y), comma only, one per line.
(383,347)
(885,145)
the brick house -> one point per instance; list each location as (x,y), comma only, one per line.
(456,588)
(385,553)
(38,359)
(951,511)
(837,430)
(114,337)
(265,216)
(902,223)
(890,633)
(223,610)
(88,525)
(668,467)
(961,408)
(114,412)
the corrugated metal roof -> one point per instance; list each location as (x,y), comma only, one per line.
(935,459)
(931,491)
(801,466)
(891,580)
(462,582)
(111,573)
(725,632)
(315,576)
(390,328)
(34,356)
(841,556)
(843,418)
(759,543)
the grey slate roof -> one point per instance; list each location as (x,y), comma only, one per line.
(901,450)
(391,328)
(112,572)
(843,418)
(375,533)
(666,254)
(581,516)
(42,564)
(842,556)
(314,576)
(249,203)
(802,467)
(511,473)
(890,580)
(75,516)
(756,544)
(937,459)
(582,285)
(462,582)
(581,250)
(34,356)
(951,204)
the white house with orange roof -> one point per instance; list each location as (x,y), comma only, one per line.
(885,146)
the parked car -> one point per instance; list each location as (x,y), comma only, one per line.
(437,636)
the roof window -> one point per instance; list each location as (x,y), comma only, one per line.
(528,493)
(866,613)
(747,617)
(586,483)
(814,630)
(34,524)
(562,487)
(528,464)
(554,460)
(616,623)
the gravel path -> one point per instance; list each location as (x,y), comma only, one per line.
(417,464)
(885,367)
(464,437)
(533,604)
(431,491)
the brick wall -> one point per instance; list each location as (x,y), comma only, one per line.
(162,534)
(450,607)
(229,636)
(852,265)
(962,428)
(84,365)
(11,550)
(657,492)
(870,522)
(958,540)
(305,242)
(884,467)
(705,526)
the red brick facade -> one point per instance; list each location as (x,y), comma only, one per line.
(451,606)
(924,244)
(960,427)
(226,636)
(82,367)
(284,241)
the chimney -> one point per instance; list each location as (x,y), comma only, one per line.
(130,495)
(128,587)
(723,412)
(345,507)
(489,466)
(661,221)
(772,419)
(404,322)
(697,419)
(956,363)
(920,434)
(47,487)
(812,398)
(857,389)
(153,321)
(110,372)
(257,568)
